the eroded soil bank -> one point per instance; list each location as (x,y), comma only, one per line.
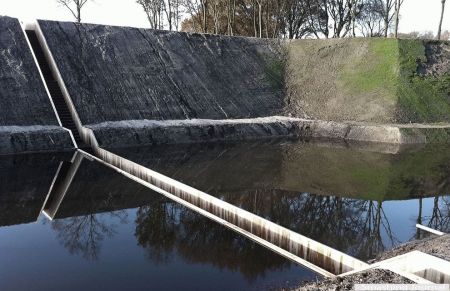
(436,246)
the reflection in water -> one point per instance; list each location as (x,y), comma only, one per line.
(84,234)
(357,227)
(24,184)
(354,207)
(164,227)
(166,230)
(440,215)
(223,169)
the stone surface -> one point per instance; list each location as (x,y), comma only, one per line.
(122,73)
(146,132)
(29,139)
(24,100)
(138,87)
(150,132)
(27,120)
(438,246)
(372,276)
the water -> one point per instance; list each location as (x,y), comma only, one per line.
(110,232)
(360,199)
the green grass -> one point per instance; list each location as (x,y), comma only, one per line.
(376,71)
(423,98)
(366,79)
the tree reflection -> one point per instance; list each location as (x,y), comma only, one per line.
(353,226)
(156,229)
(165,228)
(84,234)
(440,214)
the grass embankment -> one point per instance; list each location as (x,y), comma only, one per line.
(374,80)
(424,98)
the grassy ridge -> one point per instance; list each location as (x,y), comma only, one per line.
(376,71)
(366,79)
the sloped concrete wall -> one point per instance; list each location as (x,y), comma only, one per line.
(27,120)
(134,86)
(121,73)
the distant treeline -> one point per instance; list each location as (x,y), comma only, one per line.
(276,18)
(280,18)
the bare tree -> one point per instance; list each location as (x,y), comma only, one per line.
(398,4)
(340,12)
(388,15)
(193,8)
(372,18)
(442,18)
(295,22)
(318,17)
(231,16)
(153,10)
(74,6)
(204,8)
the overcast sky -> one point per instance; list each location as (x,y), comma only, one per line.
(416,15)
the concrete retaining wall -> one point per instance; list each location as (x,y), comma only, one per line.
(28,122)
(135,86)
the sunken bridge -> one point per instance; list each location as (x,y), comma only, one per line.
(96,89)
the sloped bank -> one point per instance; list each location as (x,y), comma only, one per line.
(28,122)
(134,86)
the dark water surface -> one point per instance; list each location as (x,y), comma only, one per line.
(361,199)
(110,232)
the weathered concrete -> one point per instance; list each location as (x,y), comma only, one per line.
(148,132)
(137,87)
(160,75)
(28,122)
(27,139)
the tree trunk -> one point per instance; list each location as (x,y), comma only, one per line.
(254,19)
(260,18)
(442,18)
(267,19)
(354,18)
(386,18)
(78,13)
(398,3)
(204,12)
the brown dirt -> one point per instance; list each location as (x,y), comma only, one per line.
(375,276)
(436,246)
(317,74)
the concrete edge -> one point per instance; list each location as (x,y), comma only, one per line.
(152,132)
(34,139)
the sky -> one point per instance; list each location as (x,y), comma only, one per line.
(416,15)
